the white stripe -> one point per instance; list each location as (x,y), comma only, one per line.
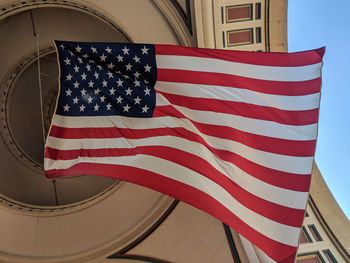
(161,100)
(255,126)
(282,233)
(281,196)
(264,258)
(299,73)
(291,103)
(290,164)
(250,250)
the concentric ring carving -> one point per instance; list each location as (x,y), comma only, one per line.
(5,129)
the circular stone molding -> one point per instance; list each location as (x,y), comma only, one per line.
(15,138)
(36,210)
(5,129)
(20,6)
(113,220)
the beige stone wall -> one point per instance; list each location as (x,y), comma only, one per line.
(330,222)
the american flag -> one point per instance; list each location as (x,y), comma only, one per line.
(232,133)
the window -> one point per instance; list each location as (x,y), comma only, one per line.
(258,11)
(315,233)
(304,236)
(258,34)
(239,37)
(329,256)
(239,13)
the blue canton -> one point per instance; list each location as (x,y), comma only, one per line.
(106,79)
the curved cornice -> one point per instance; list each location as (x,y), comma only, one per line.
(175,20)
(10,7)
(329,214)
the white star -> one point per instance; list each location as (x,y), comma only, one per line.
(110,65)
(102,98)
(112,90)
(71,53)
(91,84)
(125,50)
(120,82)
(78,49)
(137,59)
(109,106)
(97,91)
(83,92)
(82,107)
(94,50)
(125,76)
(69,77)
(85,55)
(117,72)
(128,67)
(126,108)
(66,107)
(147,91)
(99,67)
(76,68)
(120,58)
(137,83)
(103,57)
(96,75)
(146,81)
(147,68)
(80,60)
(108,50)
(110,75)
(88,67)
(145,109)
(89,99)
(75,100)
(144,50)
(128,91)
(104,83)
(119,99)
(83,76)
(76,84)
(62,46)
(137,100)
(137,74)
(68,92)
(96,107)
(67,61)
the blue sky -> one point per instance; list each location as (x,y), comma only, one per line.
(313,24)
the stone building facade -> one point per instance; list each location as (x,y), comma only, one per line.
(92,219)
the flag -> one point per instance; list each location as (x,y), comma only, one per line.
(232,133)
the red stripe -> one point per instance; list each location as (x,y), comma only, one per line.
(244,109)
(285,180)
(296,88)
(257,58)
(260,142)
(278,213)
(297,182)
(188,194)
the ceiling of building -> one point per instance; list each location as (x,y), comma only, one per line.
(26,118)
